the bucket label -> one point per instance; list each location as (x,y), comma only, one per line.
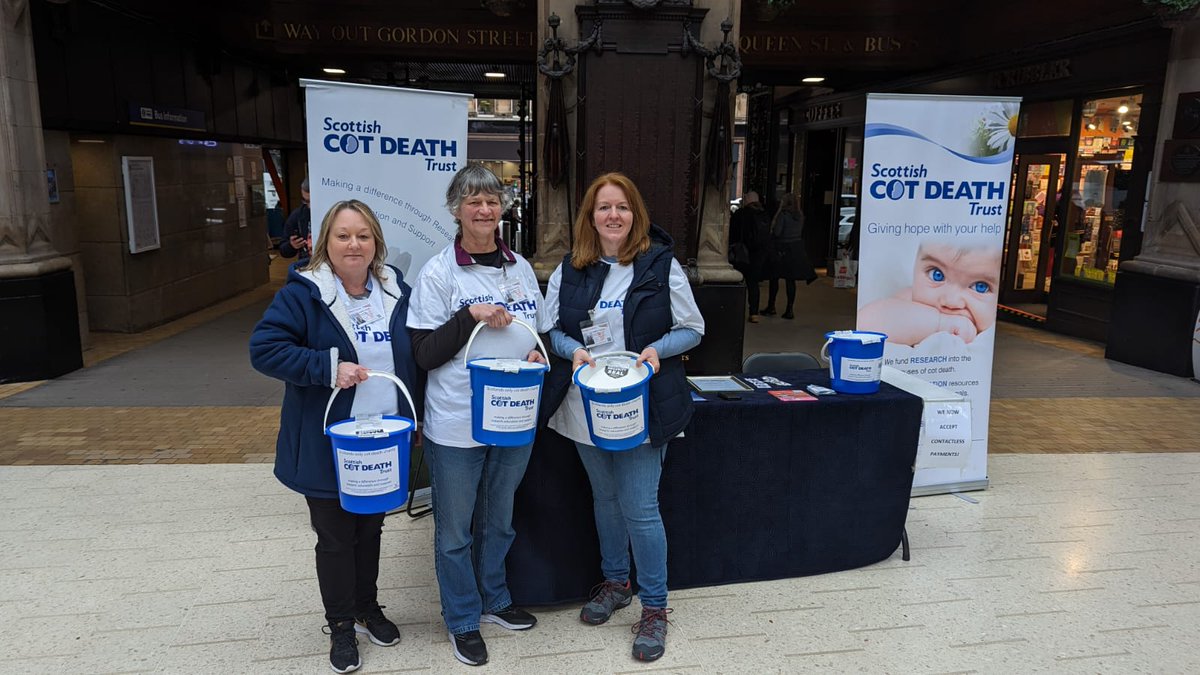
(617,421)
(510,409)
(370,473)
(861,370)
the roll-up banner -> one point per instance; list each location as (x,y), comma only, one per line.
(936,174)
(393,149)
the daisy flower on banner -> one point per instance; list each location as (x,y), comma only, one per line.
(1000,126)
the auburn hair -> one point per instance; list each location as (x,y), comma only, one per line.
(587,249)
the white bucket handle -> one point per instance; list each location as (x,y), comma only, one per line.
(825,349)
(373,373)
(480,326)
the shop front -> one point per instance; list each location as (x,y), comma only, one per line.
(1084,151)
(1072,175)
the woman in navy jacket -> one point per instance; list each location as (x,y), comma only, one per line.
(340,314)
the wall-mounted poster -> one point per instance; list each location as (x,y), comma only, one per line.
(141,205)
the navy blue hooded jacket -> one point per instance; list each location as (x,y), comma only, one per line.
(301,338)
(647,312)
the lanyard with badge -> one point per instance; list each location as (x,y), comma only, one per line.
(362,312)
(595,333)
(511,290)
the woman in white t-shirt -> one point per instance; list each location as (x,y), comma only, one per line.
(620,288)
(475,279)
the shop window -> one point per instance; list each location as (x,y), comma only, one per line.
(1048,118)
(1097,204)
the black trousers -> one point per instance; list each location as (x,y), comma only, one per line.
(773,291)
(347,558)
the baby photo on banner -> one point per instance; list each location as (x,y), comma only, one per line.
(936,179)
(394,150)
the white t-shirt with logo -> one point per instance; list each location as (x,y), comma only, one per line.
(569,419)
(441,289)
(373,345)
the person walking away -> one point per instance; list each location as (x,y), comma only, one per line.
(750,228)
(790,261)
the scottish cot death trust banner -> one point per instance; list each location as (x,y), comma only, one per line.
(393,149)
(935,190)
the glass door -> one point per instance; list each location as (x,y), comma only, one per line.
(1028,252)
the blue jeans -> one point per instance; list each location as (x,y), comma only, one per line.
(625,495)
(472,512)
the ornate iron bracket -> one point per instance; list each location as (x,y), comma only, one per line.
(556,59)
(730,67)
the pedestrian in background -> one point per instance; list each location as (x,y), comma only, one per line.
(789,259)
(750,247)
(297,229)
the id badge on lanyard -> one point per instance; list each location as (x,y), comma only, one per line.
(511,291)
(595,333)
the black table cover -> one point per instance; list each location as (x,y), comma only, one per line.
(756,489)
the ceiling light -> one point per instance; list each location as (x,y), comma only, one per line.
(492,73)
(1091,126)
(1123,109)
(334,71)
(812,80)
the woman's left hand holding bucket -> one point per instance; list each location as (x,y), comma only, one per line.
(534,356)
(649,355)
(350,374)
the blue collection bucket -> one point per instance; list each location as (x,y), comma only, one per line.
(372,461)
(855,360)
(616,396)
(505,395)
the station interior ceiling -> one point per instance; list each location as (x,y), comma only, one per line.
(946,34)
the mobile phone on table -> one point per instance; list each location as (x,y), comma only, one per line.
(729,396)
(818,390)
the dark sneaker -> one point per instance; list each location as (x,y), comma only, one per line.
(343,647)
(469,648)
(511,618)
(768,311)
(607,598)
(651,632)
(377,627)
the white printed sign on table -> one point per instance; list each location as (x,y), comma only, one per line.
(936,179)
(393,149)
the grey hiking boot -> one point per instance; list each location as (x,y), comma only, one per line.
(607,598)
(651,632)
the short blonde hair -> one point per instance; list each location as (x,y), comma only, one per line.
(586,249)
(320,254)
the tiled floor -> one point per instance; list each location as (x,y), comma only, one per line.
(1069,564)
(1080,557)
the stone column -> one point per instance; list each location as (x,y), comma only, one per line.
(1171,247)
(556,206)
(40,335)
(1157,294)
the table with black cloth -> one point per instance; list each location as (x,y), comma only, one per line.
(756,489)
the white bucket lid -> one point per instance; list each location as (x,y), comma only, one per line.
(613,373)
(505,365)
(390,425)
(865,337)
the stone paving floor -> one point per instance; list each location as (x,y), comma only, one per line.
(1080,557)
